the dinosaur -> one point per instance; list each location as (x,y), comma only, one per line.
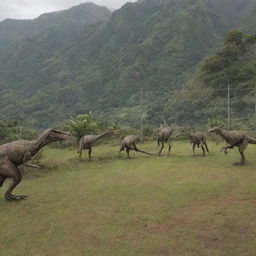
(234,139)
(87,141)
(19,152)
(196,139)
(129,143)
(164,137)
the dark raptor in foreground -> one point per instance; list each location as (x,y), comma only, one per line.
(234,139)
(19,152)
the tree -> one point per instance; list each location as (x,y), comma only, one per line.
(81,125)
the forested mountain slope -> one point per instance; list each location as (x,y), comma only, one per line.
(151,45)
(79,16)
(205,96)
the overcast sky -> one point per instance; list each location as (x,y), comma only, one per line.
(28,9)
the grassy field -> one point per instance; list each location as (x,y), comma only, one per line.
(181,205)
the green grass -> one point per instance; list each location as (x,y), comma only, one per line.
(178,205)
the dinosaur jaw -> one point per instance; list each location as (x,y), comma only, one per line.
(214,129)
(55,135)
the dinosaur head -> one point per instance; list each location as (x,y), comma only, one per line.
(109,132)
(181,134)
(55,135)
(137,139)
(217,130)
(51,135)
(171,130)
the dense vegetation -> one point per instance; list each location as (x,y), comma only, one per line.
(10,131)
(101,66)
(204,97)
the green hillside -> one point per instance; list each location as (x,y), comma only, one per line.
(204,97)
(83,15)
(153,46)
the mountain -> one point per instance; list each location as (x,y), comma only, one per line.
(204,97)
(154,46)
(82,15)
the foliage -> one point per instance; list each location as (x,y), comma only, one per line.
(204,97)
(216,123)
(10,131)
(81,125)
(232,63)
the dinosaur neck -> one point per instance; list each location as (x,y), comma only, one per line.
(39,143)
(190,135)
(101,135)
(224,134)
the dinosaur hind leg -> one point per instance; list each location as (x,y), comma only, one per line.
(80,150)
(202,147)
(8,170)
(206,147)
(241,149)
(161,149)
(121,149)
(169,147)
(193,148)
(242,158)
(89,154)
(128,152)
(2,179)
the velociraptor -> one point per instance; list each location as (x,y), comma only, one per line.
(234,139)
(164,137)
(87,141)
(196,139)
(129,143)
(19,152)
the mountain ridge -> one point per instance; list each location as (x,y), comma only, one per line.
(147,45)
(76,15)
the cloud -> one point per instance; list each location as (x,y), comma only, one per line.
(29,9)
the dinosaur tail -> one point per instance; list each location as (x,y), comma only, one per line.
(144,152)
(252,140)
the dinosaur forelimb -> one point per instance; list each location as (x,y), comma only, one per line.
(27,156)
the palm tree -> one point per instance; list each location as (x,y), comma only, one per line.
(81,125)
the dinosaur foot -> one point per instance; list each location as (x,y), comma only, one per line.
(238,163)
(11,197)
